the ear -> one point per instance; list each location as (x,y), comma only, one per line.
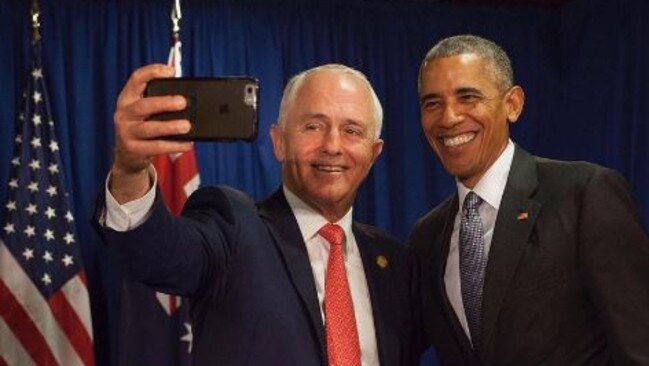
(377,147)
(514,99)
(277,137)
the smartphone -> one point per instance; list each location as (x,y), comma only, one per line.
(219,109)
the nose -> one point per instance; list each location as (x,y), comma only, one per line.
(451,115)
(332,142)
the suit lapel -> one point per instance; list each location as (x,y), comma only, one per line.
(375,277)
(288,238)
(514,224)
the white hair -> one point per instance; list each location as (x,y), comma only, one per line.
(296,81)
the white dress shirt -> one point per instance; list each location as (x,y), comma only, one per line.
(310,222)
(490,188)
(132,214)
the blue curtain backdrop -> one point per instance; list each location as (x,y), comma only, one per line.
(584,67)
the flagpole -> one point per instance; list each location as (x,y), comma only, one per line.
(36,24)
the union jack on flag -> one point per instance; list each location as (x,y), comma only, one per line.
(44,305)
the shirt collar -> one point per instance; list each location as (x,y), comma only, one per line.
(310,221)
(492,184)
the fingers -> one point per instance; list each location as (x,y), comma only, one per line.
(151,148)
(136,138)
(149,130)
(137,82)
(142,108)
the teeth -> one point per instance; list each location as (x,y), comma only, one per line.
(329,168)
(459,139)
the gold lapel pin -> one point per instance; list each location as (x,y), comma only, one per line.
(382,261)
(523,216)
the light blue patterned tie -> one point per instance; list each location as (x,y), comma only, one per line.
(472,264)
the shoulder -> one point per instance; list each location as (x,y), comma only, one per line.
(436,218)
(228,201)
(567,175)
(377,235)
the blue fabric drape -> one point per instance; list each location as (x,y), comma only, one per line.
(584,67)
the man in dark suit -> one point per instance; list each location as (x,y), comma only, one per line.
(291,280)
(547,262)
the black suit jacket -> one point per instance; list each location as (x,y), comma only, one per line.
(246,269)
(567,279)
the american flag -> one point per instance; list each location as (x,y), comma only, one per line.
(161,319)
(44,306)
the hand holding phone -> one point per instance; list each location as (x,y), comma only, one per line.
(219,109)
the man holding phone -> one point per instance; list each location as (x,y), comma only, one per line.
(291,280)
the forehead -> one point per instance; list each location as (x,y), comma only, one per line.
(457,72)
(332,93)
(329,82)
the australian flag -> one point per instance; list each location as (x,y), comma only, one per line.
(155,328)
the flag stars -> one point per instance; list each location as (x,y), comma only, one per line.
(188,337)
(37,73)
(46,279)
(9,229)
(68,238)
(68,217)
(47,257)
(54,146)
(33,187)
(28,253)
(35,164)
(36,142)
(51,190)
(19,138)
(11,206)
(38,97)
(53,168)
(30,231)
(67,260)
(32,209)
(21,116)
(15,161)
(13,183)
(49,235)
(36,120)
(50,212)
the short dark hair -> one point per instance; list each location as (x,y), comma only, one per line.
(498,62)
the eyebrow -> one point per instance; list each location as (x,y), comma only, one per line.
(468,90)
(313,115)
(459,91)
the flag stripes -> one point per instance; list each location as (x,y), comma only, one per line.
(30,317)
(44,303)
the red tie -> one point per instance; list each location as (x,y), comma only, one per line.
(343,346)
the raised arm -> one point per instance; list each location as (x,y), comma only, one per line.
(137,139)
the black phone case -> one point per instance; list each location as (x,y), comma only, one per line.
(219,109)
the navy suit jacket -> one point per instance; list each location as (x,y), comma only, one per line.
(567,280)
(247,272)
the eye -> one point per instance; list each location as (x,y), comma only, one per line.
(313,126)
(469,98)
(353,131)
(430,104)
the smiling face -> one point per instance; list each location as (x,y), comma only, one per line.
(326,142)
(465,115)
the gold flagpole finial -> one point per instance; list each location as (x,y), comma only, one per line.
(36,23)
